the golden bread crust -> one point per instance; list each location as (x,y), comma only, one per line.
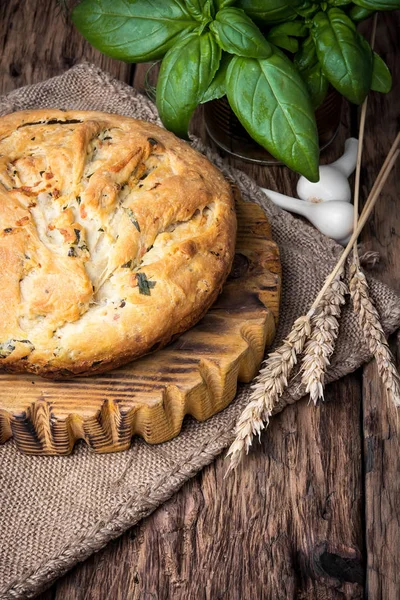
(115,236)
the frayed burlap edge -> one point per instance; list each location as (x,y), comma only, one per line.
(136,508)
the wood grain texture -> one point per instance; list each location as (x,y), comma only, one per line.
(38,41)
(380,422)
(382,487)
(278,531)
(195,375)
(254,537)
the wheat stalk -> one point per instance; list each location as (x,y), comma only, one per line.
(369,205)
(373,333)
(360,148)
(268,387)
(273,377)
(359,290)
(321,343)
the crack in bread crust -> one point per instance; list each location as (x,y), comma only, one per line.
(115,236)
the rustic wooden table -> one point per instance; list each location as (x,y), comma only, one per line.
(315,510)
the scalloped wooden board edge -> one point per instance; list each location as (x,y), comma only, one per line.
(195,375)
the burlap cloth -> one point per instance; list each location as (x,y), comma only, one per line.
(56,511)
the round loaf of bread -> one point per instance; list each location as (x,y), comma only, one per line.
(115,236)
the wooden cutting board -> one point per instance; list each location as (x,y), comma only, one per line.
(195,375)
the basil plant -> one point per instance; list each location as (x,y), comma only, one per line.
(273,59)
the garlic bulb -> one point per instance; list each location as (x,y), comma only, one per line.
(326,204)
(334,218)
(332,184)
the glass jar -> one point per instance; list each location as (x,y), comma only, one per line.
(225,129)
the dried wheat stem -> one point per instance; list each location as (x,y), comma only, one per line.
(373,33)
(273,377)
(359,154)
(369,205)
(374,334)
(321,343)
(388,159)
(356,196)
(367,314)
(267,388)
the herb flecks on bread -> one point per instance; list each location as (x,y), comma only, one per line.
(114,237)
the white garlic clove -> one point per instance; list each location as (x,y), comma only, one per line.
(332,185)
(347,162)
(334,219)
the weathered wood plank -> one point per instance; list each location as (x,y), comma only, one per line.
(380,421)
(382,487)
(38,41)
(280,530)
(255,536)
(289,526)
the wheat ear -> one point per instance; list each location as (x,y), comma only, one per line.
(267,388)
(359,290)
(373,333)
(321,343)
(273,377)
(368,258)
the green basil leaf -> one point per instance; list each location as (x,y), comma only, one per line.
(309,68)
(223,3)
(378,4)
(294,28)
(344,55)
(306,57)
(339,2)
(133,31)
(381,76)
(308,9)
(317,84)
(217,87)
(237,34)
(186,73)
(199,9)
(272,11)
(271,101)
(284,41)
(358,13)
